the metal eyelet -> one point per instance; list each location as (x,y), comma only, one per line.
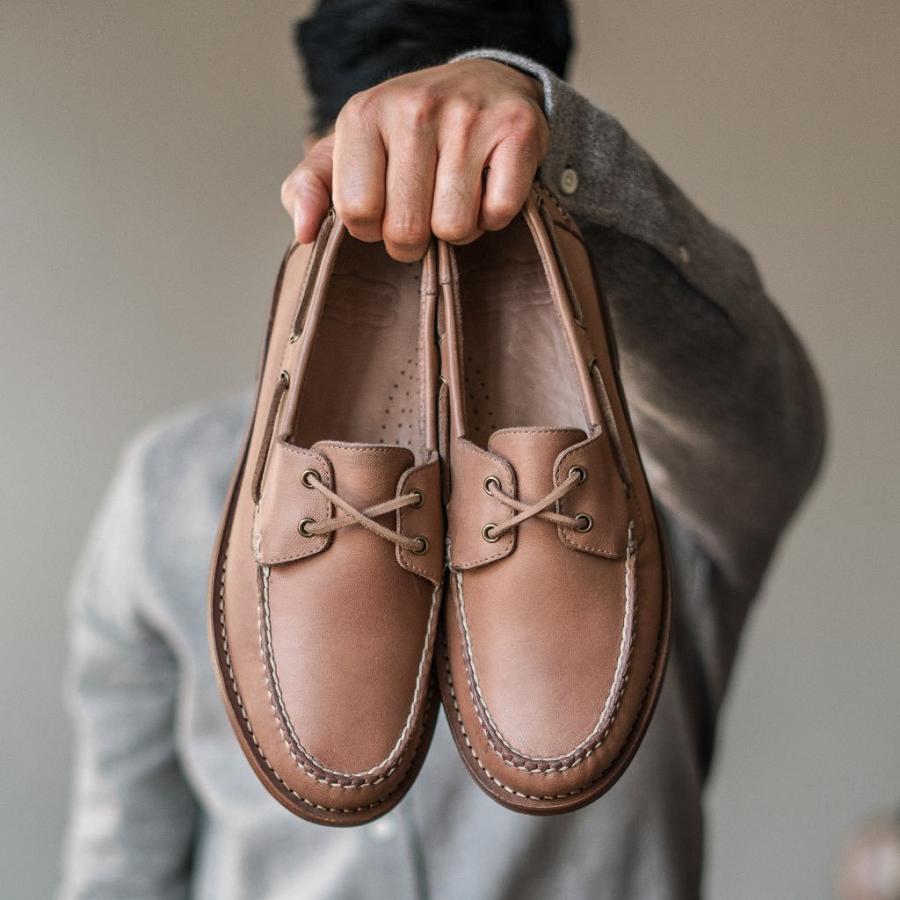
(492,481)
(579,471)
(422,546)
(586,522)
(309,476)
(303,526)
(420,498)
(489,533)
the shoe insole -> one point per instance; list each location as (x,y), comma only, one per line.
(362,381)
(518,371)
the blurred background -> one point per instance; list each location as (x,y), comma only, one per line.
(142,146)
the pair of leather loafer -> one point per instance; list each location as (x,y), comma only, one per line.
(440,501)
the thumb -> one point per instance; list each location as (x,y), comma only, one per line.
(306,192)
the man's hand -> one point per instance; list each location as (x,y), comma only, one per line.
(449,151)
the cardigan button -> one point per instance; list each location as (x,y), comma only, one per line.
(568,181)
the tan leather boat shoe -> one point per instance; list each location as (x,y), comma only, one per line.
(327,577)
(557,616)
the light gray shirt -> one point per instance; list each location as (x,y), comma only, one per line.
(729,419)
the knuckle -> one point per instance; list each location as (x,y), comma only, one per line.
(418,106)
(519,113)
(467,107)
(367,232)
(406,234)
(500,212)
(463,114)
(403,253)
(357,213)
(358,109)
(454,229)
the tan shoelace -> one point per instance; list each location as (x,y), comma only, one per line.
(524,511)
(365,517)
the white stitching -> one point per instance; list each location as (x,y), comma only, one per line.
(223,637)
(249,728)
(281,714)
(545,797)
(613,697)
(481,765)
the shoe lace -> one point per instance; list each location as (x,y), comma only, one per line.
(540,509)
(364,517)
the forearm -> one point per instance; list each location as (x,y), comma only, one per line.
(728,415)
(725,403)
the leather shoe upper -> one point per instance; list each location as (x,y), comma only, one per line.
(327,579)
(557,614)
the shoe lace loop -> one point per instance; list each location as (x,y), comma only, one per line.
(364,517)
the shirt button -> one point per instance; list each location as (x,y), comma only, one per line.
(568,181)
(384,830)
(684,253)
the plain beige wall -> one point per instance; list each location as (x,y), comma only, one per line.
(141,150)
